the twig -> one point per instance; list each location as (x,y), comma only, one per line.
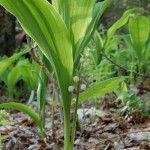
(123,68)
(107,147)
(36,58)
(38,61)
(102,141)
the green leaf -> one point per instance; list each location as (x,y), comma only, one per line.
(56,5)
(139,32)
(27,76)
(129,44)
(24,72)
(31,98)
(81,14)
(42,90)
(98,46)
(122,21)
(7,62)
(99,9)
(13,77)
(43,23)
(23,108)
(63,7)
(101,88)
(147,52)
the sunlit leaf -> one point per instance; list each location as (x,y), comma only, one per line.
(139,32)
(101,88)
(147,52)
(122,21)
(42,90)
(81,15)
(98,10)
(64,8)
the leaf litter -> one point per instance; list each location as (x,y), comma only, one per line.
(97,129)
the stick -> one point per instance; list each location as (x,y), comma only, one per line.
(123,68)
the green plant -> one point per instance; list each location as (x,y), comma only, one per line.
(129,100)
(135,104)
(136,45)
(97,68)
(132,54)
(139,34)
(7,62)
(61,30)
(22,70)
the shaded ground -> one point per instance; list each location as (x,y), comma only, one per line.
(97,129)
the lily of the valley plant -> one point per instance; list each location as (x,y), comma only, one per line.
(61,30)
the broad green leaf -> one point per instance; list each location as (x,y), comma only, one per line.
(101,88)
(129,45)
(13,77)
(7,62)
(63,7)
(122,21)
(56,5)
(99,8)
(27,74)
(139,32)
(98,41)
(82,20)
(23,108)
(96,46)
(42,90)
(23,70)
(99,47)
(148,17)
(41,95)
(81,15)
(43,23)
(127,40)
(147,52)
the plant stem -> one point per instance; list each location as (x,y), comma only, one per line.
(67,128)
(75,116)
(43,135)
(53,112)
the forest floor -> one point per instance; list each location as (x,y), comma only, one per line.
(100,128)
